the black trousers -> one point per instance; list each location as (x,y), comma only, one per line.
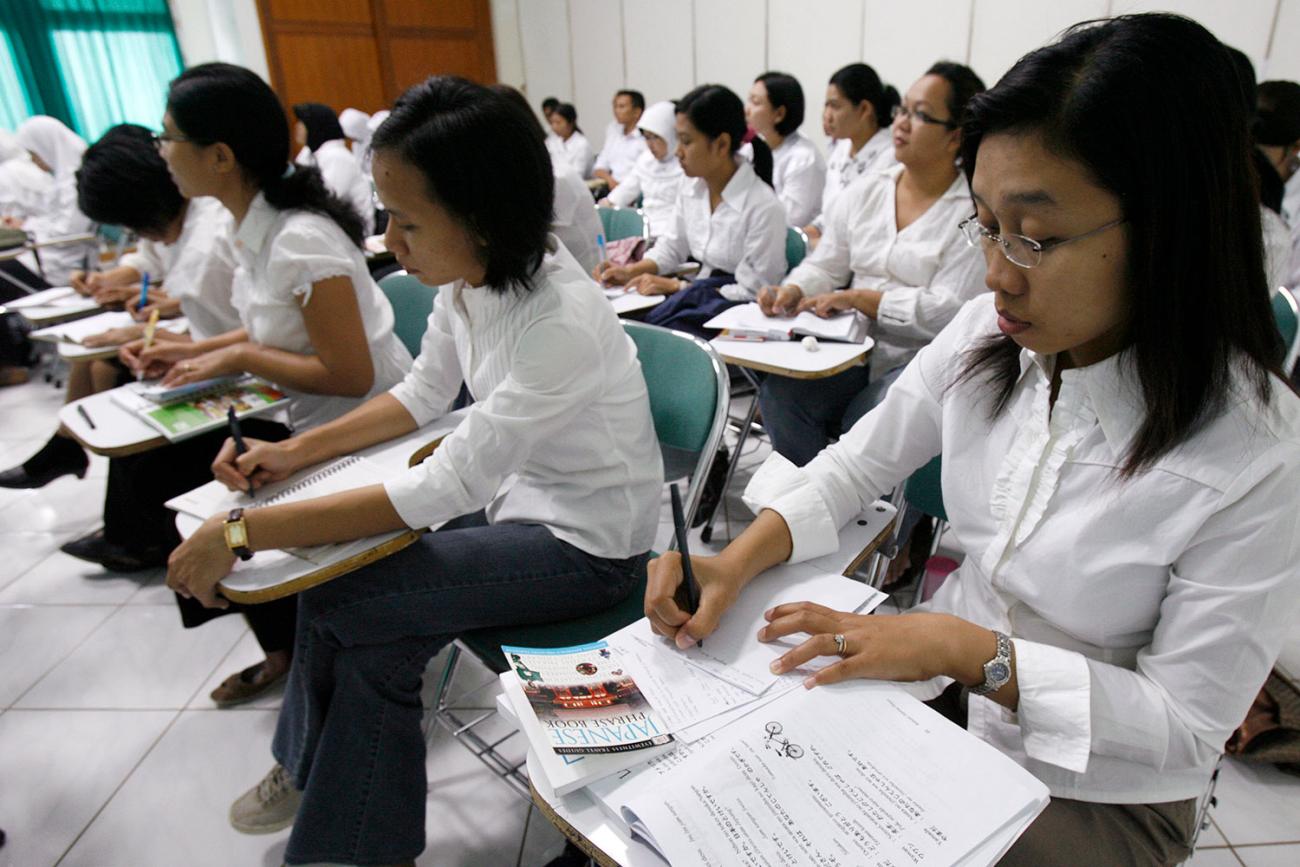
(135,517)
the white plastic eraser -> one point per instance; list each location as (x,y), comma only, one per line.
(810,343)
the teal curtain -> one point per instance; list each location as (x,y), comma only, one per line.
(90,63)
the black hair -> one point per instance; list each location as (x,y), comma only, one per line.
(1277,118)
(783,91)
(321,122)
(569,113)
(519,101)
(713,110)
(638,100)
(550,104)
(220,102)
(859,83)
(1151,108)
(1268,182)
(124,181)
(483,162)
(963,85)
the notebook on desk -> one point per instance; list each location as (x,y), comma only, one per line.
(186,411)
(748,320)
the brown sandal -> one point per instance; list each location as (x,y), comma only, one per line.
(245,685)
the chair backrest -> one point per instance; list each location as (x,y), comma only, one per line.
(690,392)
(412,303)
(924,491)
(796,247)
(620,223)
(1287,314)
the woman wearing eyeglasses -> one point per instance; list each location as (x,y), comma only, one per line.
(893,239)
(1120,452)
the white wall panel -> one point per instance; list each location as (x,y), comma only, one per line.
(902,40)
(810,41)
(1284,61)
(1003,31)
(1242,25)
(596,34)
(506,42)
(657,38)
(730,42)
(544,43)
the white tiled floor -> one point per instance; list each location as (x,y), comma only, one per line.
(111,754)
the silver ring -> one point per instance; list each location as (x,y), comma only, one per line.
(841,645)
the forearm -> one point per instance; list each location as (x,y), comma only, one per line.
(867,301)
(123,275)
(338,517)
(220,341)
(308,373)
(968,647)
(763,544)
(378,420)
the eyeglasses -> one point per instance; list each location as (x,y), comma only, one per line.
(1018,249)
(161,138)
(922,116)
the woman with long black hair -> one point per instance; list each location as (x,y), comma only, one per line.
(1120,452)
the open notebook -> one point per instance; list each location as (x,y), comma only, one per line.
(748,320)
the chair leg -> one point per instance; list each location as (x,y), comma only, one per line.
(439,703)
(706,534)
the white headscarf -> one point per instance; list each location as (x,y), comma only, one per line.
(10,147)
(661,119)
(58,147)
(355,125)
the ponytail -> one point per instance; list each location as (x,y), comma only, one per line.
(889,100)
(762,160)
(220,102)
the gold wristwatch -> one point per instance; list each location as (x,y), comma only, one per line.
(236,530)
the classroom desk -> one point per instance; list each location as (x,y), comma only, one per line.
(73,352)
(782,358)
(116,434)
(635,302)
(51,306)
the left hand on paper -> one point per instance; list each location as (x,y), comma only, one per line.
(903,647)
(653,284)
(218,362)
(198,563)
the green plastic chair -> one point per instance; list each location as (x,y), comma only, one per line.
(796,247)
(689,395)
(412,303)
(620,223)
(1287,314)
(924,490)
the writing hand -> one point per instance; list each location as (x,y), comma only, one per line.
(718,590)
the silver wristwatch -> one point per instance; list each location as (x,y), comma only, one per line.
(997,671)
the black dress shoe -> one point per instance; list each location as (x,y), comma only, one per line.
(112,556)
(57,457)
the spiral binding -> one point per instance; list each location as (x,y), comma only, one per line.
(303,484)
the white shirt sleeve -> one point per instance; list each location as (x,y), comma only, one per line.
(557,370)
(763,260)
(672,248)
(828,267)
(921,312)
(305,254)
(146,259)
(801,190)
(626,192)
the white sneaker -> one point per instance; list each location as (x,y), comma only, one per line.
(269,806)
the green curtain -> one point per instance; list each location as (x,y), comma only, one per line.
(90,63)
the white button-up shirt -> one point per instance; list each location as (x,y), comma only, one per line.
(1145,612)
(560,403)
(575,221)
(575,150)
(619,153)
(843,168)
(197,268)
(658,183)
(798,176)
(927,270)
(279,255)
(745,236)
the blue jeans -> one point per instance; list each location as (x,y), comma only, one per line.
(349,732)
(802,416)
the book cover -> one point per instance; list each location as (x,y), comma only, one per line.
(585,700)
(209,411)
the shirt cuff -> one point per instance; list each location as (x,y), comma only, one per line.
(784,488)
(1055,704)
(896,309)
(406,493)
(419,409)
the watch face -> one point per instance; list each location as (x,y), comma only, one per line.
(998,672)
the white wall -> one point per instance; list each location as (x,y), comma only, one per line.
(583,50)
(226,30)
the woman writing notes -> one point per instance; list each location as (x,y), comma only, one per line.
(561,405)
(1120,454)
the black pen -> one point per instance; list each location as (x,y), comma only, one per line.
(688,574)
(240,446)
(81,410)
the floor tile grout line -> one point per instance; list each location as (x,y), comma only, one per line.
(118,787)
(64,658)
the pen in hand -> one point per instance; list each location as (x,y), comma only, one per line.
(149,330)
(689,586)
(240,445)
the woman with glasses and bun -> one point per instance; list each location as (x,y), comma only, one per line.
(892,238)
(1120,452)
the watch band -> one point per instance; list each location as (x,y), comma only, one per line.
(236,533)
(997,671)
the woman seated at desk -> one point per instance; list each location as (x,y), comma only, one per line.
(312,321)
(561,406)
(184,246)
(1120,451)
(893,238)
(727,218)
(656,176)
(57,150)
